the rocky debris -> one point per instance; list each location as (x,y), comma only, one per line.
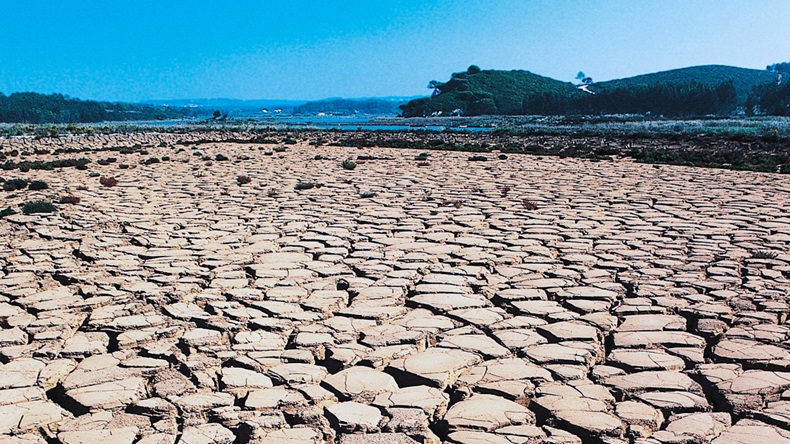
(628,304)
(511,378)
(437,367)
(100,383)
(430,400)
(748,431)
(486,412)
(352,416)
(743,391)
(582,408)
(360,383)
(694,427)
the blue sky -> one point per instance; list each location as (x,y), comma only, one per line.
(141,49)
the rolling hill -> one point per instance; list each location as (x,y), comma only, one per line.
(477,92)
(743,79)
(697,90)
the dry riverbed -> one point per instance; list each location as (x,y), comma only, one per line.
(517,300)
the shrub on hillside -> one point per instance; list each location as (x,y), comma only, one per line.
(529,205)
(108,181)
(765,254)
(14,184)
(307,185)
(38,185)
(71,200)
(8,211)
(38,206)
(349,164)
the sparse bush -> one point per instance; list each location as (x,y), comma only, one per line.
(349,164)
(765,254)
(268,153)
(272,192)
(368,194)
(289,141)
(70,200)
(94,174)
(243,180)
(502,157)
(38,185)
(8,211)
(421,156)
(152,160)
(165,158)
(38,206)
(108,181)
(280,149)
(478,158)
(307,185)
(14,184)
(123,166)
(529,205)
(220,158)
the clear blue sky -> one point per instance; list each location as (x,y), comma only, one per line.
(141,49)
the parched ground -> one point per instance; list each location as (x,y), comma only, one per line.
(524,300)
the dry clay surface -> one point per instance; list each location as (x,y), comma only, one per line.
(629,304)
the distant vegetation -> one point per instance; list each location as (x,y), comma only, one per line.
(28,107)
(686,99)
(350,106)
(487,92)
(743,79)
(772,98)
(686,92)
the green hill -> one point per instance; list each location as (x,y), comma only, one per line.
(697,90)
(743,79)
(478,92)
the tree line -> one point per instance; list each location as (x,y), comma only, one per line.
(28,107)
(670,99)
(773,98)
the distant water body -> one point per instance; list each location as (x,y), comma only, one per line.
(325,123)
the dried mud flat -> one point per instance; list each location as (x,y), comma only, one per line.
(629,304)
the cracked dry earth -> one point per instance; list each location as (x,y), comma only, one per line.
(635,304)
